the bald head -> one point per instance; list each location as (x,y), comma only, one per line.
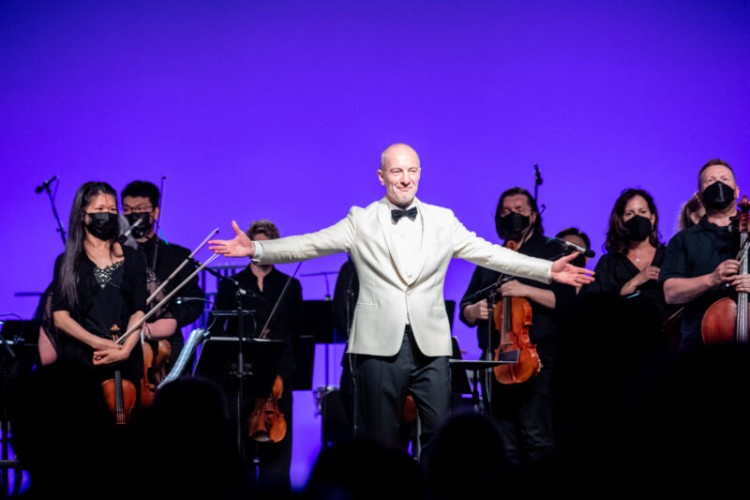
(398,150)
(399,172)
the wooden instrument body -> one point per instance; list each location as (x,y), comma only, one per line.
(727,320)
(513,319)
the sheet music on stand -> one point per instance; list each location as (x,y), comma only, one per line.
(218,361)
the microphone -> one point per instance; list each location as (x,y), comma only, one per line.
(44,185)
(566,243)
(182,300)
(124,236)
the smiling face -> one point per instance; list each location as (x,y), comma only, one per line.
(399,172)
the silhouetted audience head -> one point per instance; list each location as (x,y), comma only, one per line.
(465,455)
(189,433)
(363,468)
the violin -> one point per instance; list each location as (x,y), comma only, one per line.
(156,353)
(155,362)
(513,318)
(266,422)
(120,395)
(726,320)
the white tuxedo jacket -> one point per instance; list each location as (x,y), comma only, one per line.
(385,295)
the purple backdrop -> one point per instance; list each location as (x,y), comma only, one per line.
(280,109)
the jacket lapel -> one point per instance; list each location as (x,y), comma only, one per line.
(384,218)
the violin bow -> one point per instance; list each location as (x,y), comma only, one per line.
(183,264)
(153,310)
(278,301)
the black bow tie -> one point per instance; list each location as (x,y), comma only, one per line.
(397,214)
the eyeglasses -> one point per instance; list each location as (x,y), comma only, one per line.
(136,210)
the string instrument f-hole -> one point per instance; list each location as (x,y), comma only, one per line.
(513,318)
(120,395)
(727,320)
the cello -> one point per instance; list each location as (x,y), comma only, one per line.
(513,318)
(726,320)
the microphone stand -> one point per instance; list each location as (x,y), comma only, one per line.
(240,373)
(54,212)
(351,358)
(489,293)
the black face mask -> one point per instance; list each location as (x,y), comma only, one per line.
(144,227)
(579,261)
(718,196)
(639,228)
(104,225)
(512,225)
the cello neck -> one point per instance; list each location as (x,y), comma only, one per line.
(744,227)
(742,303)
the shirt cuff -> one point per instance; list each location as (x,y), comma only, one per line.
(258,251)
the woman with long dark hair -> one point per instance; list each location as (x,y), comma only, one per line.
(99,289)
(634,254)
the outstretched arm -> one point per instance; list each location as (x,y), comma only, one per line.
(565,272)
(239,246)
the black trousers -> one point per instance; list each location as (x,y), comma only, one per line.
(383,383)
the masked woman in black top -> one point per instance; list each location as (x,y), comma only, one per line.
(634,255)
(99,290)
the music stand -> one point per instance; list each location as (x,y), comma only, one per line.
(19,355)
(478,365)
(218,361)
(459,380)
(318,321)
(304,359)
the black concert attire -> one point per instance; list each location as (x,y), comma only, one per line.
(613,271)
(345,296)
(697,251)
(523,411)
(274,459)
(168,258)
(107,298)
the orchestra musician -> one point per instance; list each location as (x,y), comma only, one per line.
(523,411)
(141,202)
(634,255)
(100,293)
(700,266)
(262,288)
